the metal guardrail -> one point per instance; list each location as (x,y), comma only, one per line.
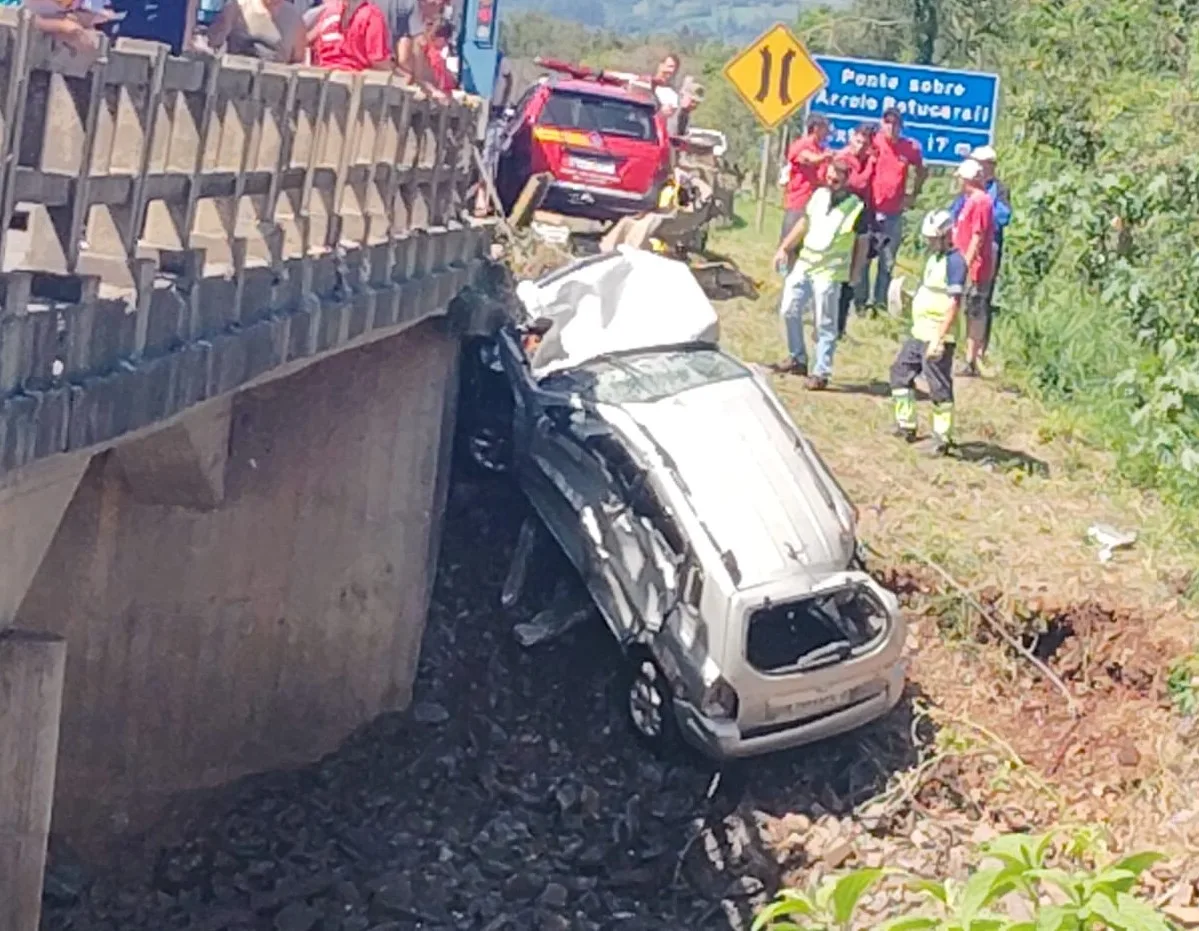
(173,227)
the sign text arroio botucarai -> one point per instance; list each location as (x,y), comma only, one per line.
(947,112)
(910,107)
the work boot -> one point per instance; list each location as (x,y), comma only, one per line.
(816,382)
(907,434)
(939,448)
(790,366)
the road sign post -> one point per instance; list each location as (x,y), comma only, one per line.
(763,182)
(775,76)
(947,112)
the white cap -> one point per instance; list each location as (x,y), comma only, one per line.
(936,223)
(984,153)
(970,170)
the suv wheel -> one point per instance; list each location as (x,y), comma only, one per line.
(489,449)
(648,704)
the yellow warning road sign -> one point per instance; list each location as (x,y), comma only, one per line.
(775,76)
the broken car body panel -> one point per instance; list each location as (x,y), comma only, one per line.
(703,524)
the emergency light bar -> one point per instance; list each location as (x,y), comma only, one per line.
(581,73)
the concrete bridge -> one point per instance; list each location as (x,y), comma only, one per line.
(227,381)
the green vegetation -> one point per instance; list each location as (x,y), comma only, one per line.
(1100,290)
(738,21)
(1019,886)
(1182,684)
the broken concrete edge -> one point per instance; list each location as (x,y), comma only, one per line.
(135,401)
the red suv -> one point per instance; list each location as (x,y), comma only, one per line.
(605,145)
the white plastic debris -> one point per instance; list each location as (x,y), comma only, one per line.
(552,233)
(1109,539)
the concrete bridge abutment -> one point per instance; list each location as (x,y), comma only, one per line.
(208,640)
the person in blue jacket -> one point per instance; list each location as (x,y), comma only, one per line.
(1000,197)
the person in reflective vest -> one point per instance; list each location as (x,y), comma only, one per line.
(928,351)
(832,241)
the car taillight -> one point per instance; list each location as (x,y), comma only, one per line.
(720,701)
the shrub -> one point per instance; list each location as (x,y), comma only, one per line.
(1049,886)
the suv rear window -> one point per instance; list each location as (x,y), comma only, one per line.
(816,631)
(605,115)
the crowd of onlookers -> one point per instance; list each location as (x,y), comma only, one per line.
(410,37)
(844,213)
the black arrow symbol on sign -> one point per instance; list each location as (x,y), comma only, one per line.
(767,62)
(785,77)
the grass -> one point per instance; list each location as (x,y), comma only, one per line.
(1010,517)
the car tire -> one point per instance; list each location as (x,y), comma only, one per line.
(483,440)
(486,450)
(648,705)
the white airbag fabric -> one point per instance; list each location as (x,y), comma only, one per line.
(626,301)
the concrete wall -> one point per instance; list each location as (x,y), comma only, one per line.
(203,645)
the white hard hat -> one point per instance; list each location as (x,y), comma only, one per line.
(970,170)
(936,223)
(984,153)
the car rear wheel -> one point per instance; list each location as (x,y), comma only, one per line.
(649,706)
(489,449)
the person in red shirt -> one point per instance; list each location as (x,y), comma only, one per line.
(897,158)
(437,70)
(350,35)
(858,155)
(807,158)
(974,238)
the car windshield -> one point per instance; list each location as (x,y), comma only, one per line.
(648,376)
(606,115)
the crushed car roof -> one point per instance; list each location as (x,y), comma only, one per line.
(620,302)
(758,494)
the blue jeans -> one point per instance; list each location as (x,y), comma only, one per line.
(800,291)
(888,234)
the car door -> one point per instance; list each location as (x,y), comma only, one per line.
(552,466)
(643,547)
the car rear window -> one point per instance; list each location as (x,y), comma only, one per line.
(816,631)
(605,115)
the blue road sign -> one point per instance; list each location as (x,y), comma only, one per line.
(947,112)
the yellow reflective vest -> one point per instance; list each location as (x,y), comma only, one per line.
(827,249)
(933,303)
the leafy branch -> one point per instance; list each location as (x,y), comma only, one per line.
(1018,885)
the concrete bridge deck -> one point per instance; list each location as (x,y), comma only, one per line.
(224,560)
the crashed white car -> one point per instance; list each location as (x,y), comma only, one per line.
(715,543)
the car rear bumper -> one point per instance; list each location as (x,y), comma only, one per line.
(581,200)
(724,740)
